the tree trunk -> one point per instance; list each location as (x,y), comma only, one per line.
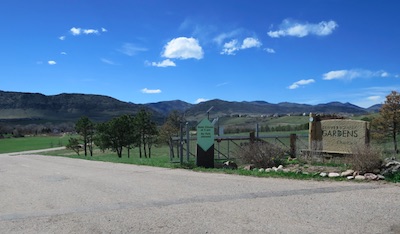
(171,148)
(149,146)
(140,150)
(85,145)
(396,151)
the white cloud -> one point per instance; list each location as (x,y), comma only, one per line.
(107,61)
(231,47)
(62,38)
(75,31)
(374,98)
(164,63)
(131,49)
(385,74)
(222,84)
(294,29)
(151,91)
(250,42)
(90,31)
(353,74)
(183,48)
(223,36)
(299,83)
(63,53)
(78,31)
(52,62)
(200,100)
(270,50)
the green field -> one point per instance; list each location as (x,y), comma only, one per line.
(159,156)
(8,145)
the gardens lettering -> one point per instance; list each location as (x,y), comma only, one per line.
(340,133)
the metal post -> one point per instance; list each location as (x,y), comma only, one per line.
(187,142)
(181,143)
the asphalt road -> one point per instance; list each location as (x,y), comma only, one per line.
(43,194)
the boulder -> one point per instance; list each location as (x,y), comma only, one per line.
(268,169)
(249,167)
(350,177)
(391,167)
(230,165)
(347,173)
(333,175)
(359,177)
(323,174)
(261,170)
(370,176)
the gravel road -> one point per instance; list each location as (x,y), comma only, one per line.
(43,194)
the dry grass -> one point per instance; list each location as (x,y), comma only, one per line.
(365,158)
(261,154)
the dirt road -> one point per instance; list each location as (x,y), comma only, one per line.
(42,194)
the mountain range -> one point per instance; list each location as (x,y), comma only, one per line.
(69,107)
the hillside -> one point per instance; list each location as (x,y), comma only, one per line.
(69,107)
(62,107)
(221,108)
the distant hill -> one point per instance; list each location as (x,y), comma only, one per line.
(221,107)
(70,107)
(63,107)
(166,107)
(374,108)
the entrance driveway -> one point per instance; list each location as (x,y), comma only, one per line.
(43,194)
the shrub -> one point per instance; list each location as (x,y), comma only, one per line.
(261,154)
(365,158)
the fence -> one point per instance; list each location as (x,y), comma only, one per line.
(226,146)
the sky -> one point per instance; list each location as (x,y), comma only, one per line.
(146,51)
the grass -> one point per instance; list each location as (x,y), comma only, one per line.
(9,145)
(160,158)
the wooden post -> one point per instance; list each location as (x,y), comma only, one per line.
(293,139)
(252,137)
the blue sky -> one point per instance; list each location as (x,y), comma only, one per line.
(311,52)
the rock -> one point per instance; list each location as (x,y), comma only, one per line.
(280,167)
(381,177)
(230,165)
(261,170)
(323,174)
(359,177)
(286,170)
(370,176)
(249,167)
(350,177)
(333,175)
(347,173)
(268,169)
(391,167)
(274,168)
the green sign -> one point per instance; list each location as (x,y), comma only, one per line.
(205,134)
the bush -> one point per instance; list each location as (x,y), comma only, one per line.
(261,154)
(365,158)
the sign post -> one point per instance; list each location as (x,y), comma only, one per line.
(205,144)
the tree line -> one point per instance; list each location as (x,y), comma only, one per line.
(125,132)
